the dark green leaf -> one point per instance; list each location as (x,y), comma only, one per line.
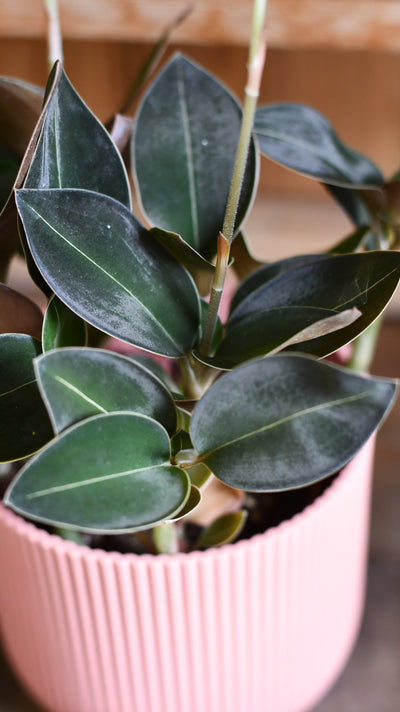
(77,383)
(268,272)
(183,252)
(301,138)
(353,204)
(25,425)
(286,421)
(351,242)
(191,504)
(183,154)
(104,265)
(109,474)
(75,150)
(337,282)
(268,331)
(62,327)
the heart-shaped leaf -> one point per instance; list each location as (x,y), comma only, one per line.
(75,150)
(77,383)
(300,138)
(62,327)
(244,424)
(25,425)
(18,314)
(104,265)
(109,474)
(337,282)
(183,154)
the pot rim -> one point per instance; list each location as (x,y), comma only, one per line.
(47,540)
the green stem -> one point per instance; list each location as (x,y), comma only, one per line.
(364,348)
(165,538)
(255,69)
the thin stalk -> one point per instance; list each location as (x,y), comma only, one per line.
(55,48)
(165,538)
(255,69)
(364,348)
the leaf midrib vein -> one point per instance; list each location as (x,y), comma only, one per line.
(116,281)
(288,418)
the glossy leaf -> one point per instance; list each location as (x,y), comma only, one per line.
(183,154)
(191,504)
(183,252)
(18,314)
(75,150)
(109,474)
(269,331)
(25,425)
(222,531)
(269,271)
(352,203)
(62,327)
(10,228)
(77,383)
(300,138)
(103,264)
(351,242)
(337,282)
(286,421)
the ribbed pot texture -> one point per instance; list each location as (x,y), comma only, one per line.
(264,625)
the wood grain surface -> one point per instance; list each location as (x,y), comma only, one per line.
(362,24)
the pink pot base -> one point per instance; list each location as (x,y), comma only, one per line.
(264,625)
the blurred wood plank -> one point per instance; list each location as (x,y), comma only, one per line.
(356,24)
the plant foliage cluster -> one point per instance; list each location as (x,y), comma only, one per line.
(117,443)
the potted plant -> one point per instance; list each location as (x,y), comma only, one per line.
(153,433)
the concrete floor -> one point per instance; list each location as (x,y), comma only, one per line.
(371,681)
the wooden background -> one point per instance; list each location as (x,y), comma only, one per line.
(341,56)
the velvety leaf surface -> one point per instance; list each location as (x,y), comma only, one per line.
(110,473)
(366,281)
(269,271)
(25,425)
(183,252)
(268,331)
(300,138)
(104,265)
(77,383)
(352,203)
(286,421)
(75,150)
(18,314)
(183,154)
(62,327)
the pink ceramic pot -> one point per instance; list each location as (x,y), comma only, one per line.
(264,625)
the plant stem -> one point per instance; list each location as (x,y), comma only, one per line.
(255,69)
(55,50)
(165,538)
(364,348)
